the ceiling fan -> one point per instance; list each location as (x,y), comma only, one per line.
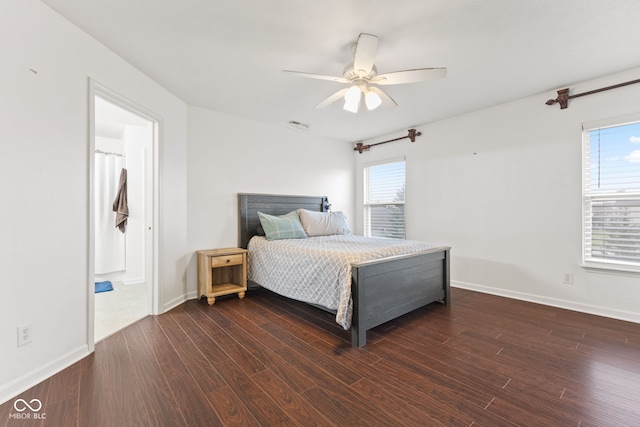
(363,78)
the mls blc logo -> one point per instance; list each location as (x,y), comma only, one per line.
(34,406)
(21,405)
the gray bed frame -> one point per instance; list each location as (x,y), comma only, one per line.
(382,289)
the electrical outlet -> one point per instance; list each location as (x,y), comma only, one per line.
(568,278)
(24,335)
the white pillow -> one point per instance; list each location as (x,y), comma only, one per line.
(323,223)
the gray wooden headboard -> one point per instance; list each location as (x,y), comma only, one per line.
(250,204)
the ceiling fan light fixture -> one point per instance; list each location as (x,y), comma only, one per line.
(363,78)
(372,100)
(352,99)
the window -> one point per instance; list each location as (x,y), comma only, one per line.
(611,194)
(384,186)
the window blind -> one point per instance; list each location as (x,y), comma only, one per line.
(384,199)
(611,194)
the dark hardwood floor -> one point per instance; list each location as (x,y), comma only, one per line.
(266,360)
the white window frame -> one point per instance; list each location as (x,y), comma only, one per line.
(589,197)
(367,204)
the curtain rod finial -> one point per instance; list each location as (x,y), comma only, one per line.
(360,147)
(412,134)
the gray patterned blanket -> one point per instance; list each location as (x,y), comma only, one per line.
(317,270)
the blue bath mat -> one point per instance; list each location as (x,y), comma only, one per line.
(105,286)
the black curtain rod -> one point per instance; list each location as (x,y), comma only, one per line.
(360,147)
(564,97)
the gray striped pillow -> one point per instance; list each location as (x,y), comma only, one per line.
(282,227)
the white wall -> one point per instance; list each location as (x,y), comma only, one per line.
(109,144)
(230,155)
(44,170)
(502,187)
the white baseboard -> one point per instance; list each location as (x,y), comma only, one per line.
(30,379)
(553,302)
(174,303)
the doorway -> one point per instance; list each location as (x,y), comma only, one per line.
(123,173)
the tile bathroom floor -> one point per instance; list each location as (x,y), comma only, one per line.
(119,308)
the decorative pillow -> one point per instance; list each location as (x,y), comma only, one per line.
(282,227)
(323,223)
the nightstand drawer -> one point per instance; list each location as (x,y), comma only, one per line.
(221,261)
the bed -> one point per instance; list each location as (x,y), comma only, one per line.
(380,289)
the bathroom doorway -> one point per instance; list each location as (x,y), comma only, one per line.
(123,286)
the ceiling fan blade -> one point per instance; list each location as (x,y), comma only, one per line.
(317,76)
(387,101)
(410,76)
(365,56)
(333,98)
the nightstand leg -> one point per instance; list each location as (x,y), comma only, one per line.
(211,300)
(240,295)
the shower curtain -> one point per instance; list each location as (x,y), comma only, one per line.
(109,241)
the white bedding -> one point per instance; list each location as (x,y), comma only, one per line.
(317,270)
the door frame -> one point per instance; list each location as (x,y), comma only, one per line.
(152,180)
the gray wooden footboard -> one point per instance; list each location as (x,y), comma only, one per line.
(388,288)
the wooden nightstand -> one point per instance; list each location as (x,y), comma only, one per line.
(222,272)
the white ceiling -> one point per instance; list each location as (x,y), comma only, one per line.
(226,55)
